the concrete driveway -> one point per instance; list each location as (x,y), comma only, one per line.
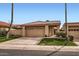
(23,41)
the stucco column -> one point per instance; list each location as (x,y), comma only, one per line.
(23,31)
(58,28)
(67,31)
(47,30)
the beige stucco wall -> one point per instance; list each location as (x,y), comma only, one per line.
(51,31)
(46,30)
(16,32)
(4,29)
(23,31)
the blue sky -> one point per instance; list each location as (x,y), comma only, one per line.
(29,12)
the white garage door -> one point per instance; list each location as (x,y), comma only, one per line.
(35,32)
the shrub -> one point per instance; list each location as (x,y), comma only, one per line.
(3,33)
(61,34)
(59,39)
(71,38)
(45,35)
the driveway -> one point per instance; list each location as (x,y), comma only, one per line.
(23,41)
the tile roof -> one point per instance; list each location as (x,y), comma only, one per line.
(4,24)
(73,24)
(42,23)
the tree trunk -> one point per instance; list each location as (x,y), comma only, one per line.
(8,33)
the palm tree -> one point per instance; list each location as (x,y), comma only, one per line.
(66,31)
(8,33)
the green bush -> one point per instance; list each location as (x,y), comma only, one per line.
(59,39)
(71,38)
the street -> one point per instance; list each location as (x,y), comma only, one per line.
(13,52)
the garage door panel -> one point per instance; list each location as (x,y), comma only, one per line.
(36,32)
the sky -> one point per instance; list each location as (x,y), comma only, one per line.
(30,12)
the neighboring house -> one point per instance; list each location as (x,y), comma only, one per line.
(3,25)
(73,29)
(40,28)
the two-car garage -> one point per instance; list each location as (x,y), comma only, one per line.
(35,31)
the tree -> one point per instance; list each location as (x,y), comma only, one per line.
(66,31)
(8,32)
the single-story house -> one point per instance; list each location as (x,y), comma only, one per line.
(40,28)
(73,29)
(4,25)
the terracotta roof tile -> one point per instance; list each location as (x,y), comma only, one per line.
(73,24)
(4,24)
(42,23)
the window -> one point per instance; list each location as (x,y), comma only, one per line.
(70,30)
(73,29)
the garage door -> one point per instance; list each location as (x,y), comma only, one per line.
(75,34)
(35,32)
